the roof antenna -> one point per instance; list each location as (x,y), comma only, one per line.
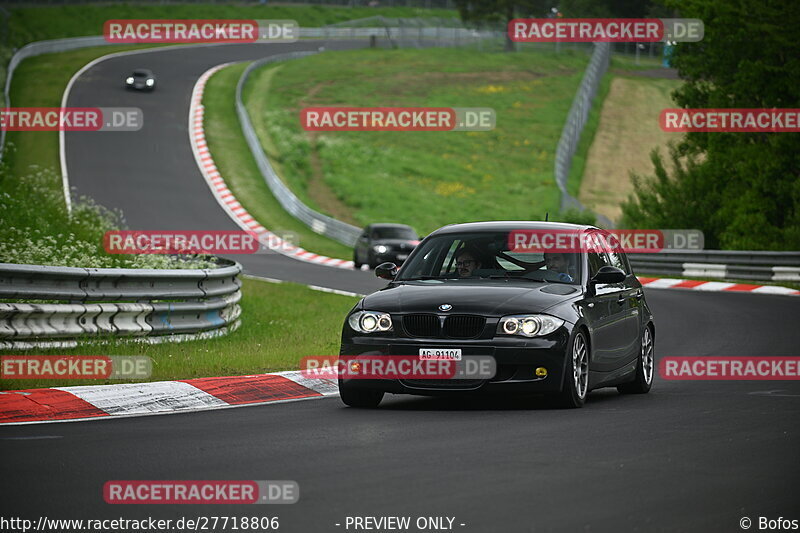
(546,215)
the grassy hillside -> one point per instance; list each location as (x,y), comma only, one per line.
(426,179)
(627,132)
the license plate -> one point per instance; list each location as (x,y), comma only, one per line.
(447,354)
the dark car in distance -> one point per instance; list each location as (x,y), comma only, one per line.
(556,323)
(379,243)
(141,79)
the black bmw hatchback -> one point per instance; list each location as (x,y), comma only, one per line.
(141,79)
(560,322)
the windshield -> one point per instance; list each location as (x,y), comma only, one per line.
(394,233)
(486,256)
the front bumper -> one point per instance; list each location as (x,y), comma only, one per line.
(517,359)
(140,86)
(393,256)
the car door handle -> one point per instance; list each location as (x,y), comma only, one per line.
(639,295)
(621,299)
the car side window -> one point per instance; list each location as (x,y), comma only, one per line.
(595,261)
(628,267)
(615,256)
(616,259)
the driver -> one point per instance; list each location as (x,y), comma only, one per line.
(559,263)
(467,261)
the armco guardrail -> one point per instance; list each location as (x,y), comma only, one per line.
(721,264)
(576,119)
(161,305)
(323,224)
(39,48)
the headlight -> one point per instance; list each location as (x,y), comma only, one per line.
(528,325)
(381,249)
(129,80)
(150,82)
(370,321)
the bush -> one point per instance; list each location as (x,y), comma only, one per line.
(576,216)
(36,228)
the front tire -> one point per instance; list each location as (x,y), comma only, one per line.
(576,377)
(356,264)
(360,398)
(643,380)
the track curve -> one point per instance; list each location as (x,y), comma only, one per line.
(151,174)
(692,456)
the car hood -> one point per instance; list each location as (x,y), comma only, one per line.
(489,298)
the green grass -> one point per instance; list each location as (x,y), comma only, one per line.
(281,323)
(618,62)
(28,24)
(426,179)
(40,82)
(35,225)
(237,166)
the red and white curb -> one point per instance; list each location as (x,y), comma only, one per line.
(238,213)
(225,197)
(714,286)
(98,402)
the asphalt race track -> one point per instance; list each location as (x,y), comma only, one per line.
(152,174)
(689,456)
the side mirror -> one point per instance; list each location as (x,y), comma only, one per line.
(386,271)
(608,274)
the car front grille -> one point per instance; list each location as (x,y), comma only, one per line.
(455,327)
(465,384)
(420,325)
(463,326)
